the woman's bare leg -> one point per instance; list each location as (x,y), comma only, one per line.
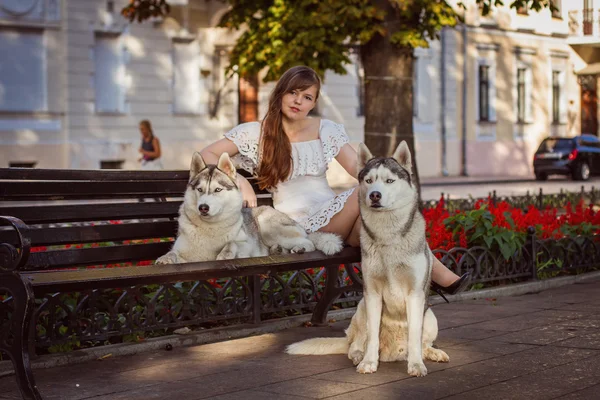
(346,223)
(441,275)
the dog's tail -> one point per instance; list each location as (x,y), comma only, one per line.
(319,346)
(328,243)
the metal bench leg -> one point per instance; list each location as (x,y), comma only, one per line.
(331,292)
(15,334)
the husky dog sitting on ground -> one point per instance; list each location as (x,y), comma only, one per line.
(213,225)
(392,322)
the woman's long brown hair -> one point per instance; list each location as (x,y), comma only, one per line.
(275,149)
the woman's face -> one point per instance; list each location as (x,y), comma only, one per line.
(296,104)
(144,131)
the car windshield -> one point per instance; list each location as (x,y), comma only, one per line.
(554,145)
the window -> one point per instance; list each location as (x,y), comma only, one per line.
(22,71)
(109,78)
(415,80)
(588,17)
(557,12)
(484,93)
(558,96)
(186,77)
(111,164)
(555,97)
(521,94)
(22,164)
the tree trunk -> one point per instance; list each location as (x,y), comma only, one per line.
(388,92)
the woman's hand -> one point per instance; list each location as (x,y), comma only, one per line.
(247,192)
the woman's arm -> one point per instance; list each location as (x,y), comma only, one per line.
(211,155)
(152,154)
(348,158)
(212,152)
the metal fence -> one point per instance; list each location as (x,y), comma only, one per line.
(109,315)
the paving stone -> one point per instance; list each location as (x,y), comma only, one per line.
(182,391)
(588,340)
(312,388)
(589,393)
(257,395)
(493,346)
(542,335)
(469,332)
(488,372)
(546,384)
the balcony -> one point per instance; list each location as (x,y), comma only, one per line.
(584,27)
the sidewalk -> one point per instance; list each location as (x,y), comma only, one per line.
(541,346)
(473,180)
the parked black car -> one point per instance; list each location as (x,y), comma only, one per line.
(578,157)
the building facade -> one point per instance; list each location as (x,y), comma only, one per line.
(76,79)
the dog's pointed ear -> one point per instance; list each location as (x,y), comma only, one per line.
(364,155)
(226,165)
(402,155)
(197,165)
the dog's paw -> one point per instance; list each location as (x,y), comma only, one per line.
(298,250)
(437,355)
(367,367)
(276,249)
(417,369)
(169,258)
(356,356)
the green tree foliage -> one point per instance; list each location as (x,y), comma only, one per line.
(279,34)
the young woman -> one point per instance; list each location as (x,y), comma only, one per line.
(150,148)
(289,153)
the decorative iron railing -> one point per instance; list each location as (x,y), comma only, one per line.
(103,315)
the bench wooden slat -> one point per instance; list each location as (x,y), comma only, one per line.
(91,175)
(96,233)
(96,256)
(92,212)
(60,190)
(68,280)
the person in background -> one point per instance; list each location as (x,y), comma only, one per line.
(150,148)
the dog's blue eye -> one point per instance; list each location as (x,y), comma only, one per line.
(390,181)
(217,190)
(369,181)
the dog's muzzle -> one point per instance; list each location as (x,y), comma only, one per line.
(203,208)
(375,198)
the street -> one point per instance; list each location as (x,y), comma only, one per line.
(432,191)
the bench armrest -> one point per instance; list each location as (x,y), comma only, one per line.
(13,258)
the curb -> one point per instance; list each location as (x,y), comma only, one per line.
(475,182)
(221,334)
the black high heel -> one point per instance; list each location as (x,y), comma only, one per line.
(458,286)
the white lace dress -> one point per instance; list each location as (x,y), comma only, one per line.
(306,196)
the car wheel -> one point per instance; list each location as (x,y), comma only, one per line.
(541,176)
(582,172)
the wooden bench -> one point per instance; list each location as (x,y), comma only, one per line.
(45,209)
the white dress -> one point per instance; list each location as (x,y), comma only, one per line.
(306,196)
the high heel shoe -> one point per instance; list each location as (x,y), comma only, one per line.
(458,286)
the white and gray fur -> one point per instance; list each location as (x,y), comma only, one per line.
(213,225)
(396,267)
